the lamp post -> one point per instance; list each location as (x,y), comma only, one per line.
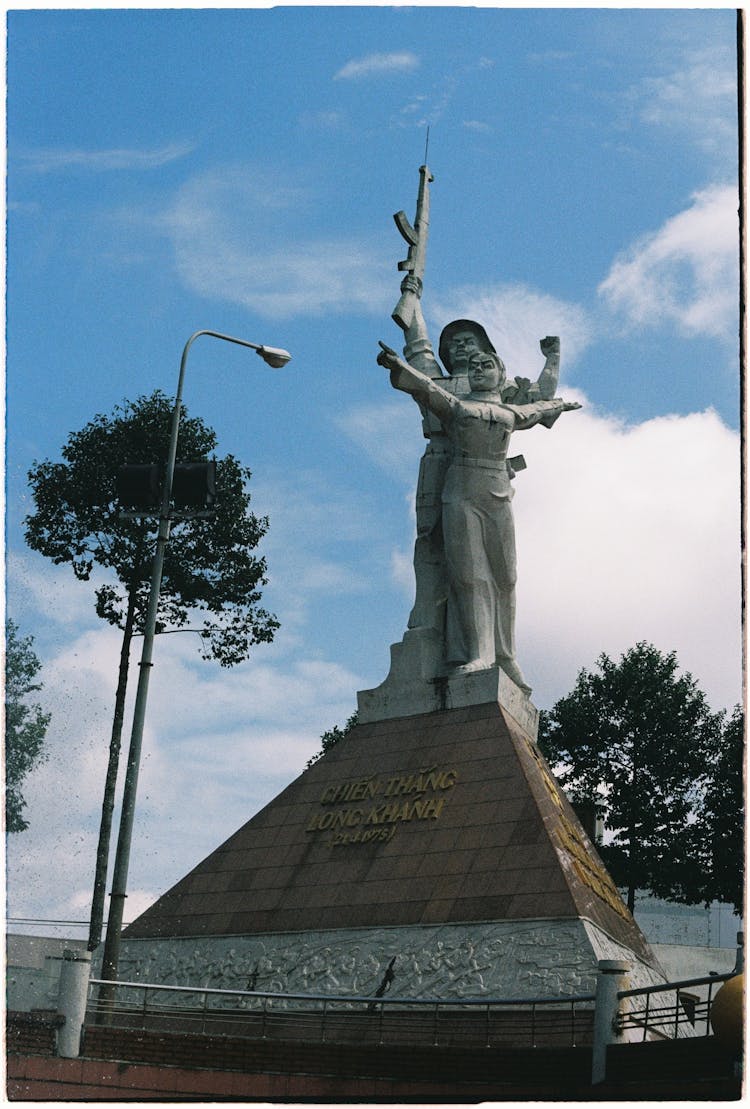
(276,358)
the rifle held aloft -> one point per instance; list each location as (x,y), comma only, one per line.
(416,237)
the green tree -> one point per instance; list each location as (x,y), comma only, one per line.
(211,575)
(330,738)
(722,813)
(637,738)
(25,723)
(711,856)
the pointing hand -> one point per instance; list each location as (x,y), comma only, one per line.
(388,357)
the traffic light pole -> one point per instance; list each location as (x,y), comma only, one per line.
(111,954)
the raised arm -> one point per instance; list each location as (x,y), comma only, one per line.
(408,312)
(548,378)
(521,391)
(418,350)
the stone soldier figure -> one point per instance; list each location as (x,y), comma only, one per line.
(476,514)
(432,635)
(458,341)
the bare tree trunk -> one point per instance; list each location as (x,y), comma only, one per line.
(633,855)
(108,802)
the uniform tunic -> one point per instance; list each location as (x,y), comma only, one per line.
(478,527)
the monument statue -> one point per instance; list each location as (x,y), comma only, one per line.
(464,554)
(442,765)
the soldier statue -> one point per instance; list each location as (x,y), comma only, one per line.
(464,555)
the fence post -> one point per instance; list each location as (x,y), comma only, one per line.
(612,978)
(739,963)
(71,1001)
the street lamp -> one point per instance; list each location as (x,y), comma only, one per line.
(272,356)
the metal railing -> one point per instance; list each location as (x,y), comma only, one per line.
(664,1011)
(325,1018)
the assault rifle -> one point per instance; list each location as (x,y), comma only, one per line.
(416,237)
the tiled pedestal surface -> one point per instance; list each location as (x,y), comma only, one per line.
(440,840)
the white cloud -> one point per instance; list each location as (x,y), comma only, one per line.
(684,274)
(624,532)
(50,160)
(326,120)
(696,100)
(372,65)
(628,533)
(516,318)
(217,743)
(426,109)
(389,433)
(34,586)
(307,509)
(226,227)
(402,571)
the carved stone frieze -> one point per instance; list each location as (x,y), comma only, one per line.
(542,958)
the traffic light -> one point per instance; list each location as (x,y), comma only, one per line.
(139,486)
(194,485)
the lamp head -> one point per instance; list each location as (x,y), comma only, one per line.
(274,356)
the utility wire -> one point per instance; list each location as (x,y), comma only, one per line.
(37,920)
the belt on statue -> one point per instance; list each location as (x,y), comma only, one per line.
(482,463)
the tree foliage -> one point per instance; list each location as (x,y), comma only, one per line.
(209,567)
(640,740)
(25,723)
(210,571)
(330,738)
(714,860)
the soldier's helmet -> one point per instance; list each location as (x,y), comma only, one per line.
(450,330)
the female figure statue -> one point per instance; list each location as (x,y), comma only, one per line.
(478,529)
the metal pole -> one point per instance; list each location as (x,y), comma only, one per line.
(611,979)
(739,962)
(122,855)
(72,1000)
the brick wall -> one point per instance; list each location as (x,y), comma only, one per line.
(32,1033)
(131,1064)
(701,1077)
(392,1061)
(39,1079)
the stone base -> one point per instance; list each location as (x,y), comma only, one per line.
(519,959)
(409,690)
(440,839)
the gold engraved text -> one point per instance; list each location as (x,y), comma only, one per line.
(384,804)
(588,869)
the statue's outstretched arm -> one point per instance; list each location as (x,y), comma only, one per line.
(421,386)
(541,411)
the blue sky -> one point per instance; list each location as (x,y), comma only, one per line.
(238,170)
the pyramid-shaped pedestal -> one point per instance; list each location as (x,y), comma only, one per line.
(439,839)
